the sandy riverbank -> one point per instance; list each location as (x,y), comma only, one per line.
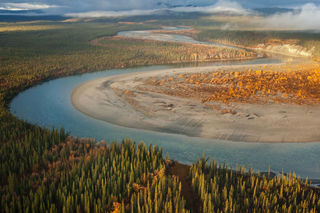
(120,100)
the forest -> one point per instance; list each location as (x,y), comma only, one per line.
(224,190)
(270,84)
(47,170)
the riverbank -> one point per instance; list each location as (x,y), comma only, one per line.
(125,100)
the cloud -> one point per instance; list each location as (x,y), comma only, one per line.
(306,17)
(220,6)
(106,5)
(25,6)
(98,14)
(112,8)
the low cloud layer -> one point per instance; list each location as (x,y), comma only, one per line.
(220,6)
(97,14)
(306,17)
(25,6)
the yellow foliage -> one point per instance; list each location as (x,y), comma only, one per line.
(301,85)
(116,207)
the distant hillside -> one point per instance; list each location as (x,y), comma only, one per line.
(272,10)
(24,12)
(17,17)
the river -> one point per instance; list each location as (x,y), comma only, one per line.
(49,105)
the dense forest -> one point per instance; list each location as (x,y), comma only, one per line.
(56,173)
(45,170)
(224,190)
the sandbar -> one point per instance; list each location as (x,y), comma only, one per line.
(121,101)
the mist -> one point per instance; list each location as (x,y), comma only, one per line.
(306,17)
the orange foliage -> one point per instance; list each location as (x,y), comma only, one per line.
(116,207)
(298,85)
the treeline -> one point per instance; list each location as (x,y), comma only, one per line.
(177,52)
(224,190)
(243,38)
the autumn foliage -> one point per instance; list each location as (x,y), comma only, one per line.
(298,85)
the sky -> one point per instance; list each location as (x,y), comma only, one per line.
(305,16)
(69,6)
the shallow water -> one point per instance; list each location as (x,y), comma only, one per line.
(49,105)
(147,34)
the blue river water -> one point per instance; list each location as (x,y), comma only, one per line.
(49,105)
